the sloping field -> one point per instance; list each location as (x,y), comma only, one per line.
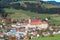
(21,14)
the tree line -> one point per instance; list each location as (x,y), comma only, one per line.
(33,7)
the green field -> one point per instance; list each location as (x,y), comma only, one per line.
(22,14)
(57,37)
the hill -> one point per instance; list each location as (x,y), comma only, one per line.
(21,14)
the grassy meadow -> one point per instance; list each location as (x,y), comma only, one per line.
(22,14)
(56,37)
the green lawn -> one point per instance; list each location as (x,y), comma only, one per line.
(21,14)
(57,37)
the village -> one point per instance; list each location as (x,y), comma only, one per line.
(27,29)
(29,20)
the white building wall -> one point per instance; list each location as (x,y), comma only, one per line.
(44,26)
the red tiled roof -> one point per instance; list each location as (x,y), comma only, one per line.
(35,22)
